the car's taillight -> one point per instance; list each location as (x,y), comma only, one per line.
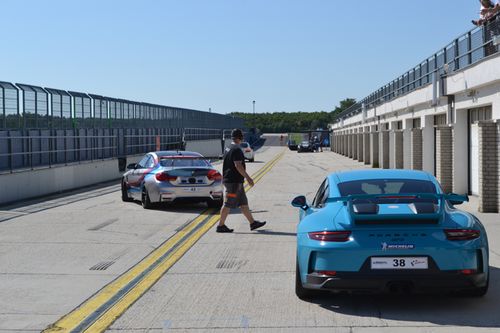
(468,271)
(164,176)
(461,234)
(247,150)
(214,175)
(329,273)
(330,236)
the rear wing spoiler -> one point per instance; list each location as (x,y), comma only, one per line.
(419,212)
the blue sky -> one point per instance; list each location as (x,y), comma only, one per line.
(287,55)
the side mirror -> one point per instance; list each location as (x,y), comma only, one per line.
(300,202)
(132,166)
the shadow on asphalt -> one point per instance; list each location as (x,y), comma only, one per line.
(268,232)
(437,309)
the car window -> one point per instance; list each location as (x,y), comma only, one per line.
(150,163)
(319,195)
(183,162)
(244,145)
(142,163)
(387,186)
(324,197)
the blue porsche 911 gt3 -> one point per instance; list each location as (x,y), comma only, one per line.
(388,231)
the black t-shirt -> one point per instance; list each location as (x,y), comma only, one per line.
(229,171)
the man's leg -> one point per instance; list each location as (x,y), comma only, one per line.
(224,212)
(246,211)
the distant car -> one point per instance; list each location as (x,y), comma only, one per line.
(292,145)
(247,151)
(167,176)
(388,231)
(305,146)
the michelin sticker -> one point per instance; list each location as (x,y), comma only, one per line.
(386,246)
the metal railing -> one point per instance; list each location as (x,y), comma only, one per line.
(28,152)
(30,149)
(463,52)
(24,106)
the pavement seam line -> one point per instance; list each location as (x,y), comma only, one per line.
(206,220)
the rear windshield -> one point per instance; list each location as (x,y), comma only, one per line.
(388,186)
(183,162)
(244,145)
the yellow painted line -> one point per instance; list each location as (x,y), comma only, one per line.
(130,298)
(70,321)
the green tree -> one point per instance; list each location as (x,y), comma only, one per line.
(280,122)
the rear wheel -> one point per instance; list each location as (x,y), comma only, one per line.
(252,159)
(300,291)
(145,200)
(477,292)
(125,197)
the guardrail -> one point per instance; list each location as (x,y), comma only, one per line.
(463,52)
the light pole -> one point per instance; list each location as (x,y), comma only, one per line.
(254,120)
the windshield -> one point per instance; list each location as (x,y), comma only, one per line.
(389,186)
(184,161)
(305,143)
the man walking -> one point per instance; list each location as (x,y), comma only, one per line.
(234,173)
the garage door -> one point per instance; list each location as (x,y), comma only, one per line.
(474,159)
(475,115)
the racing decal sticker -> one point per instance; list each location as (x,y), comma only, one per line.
(386,246)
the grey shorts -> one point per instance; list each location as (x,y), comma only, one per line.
(235,195)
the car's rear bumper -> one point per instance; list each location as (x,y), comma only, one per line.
(444,281)
(195,193)
(248,156)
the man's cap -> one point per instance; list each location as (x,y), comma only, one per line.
(237,133)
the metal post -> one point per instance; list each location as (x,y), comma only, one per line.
(9,149)
(469,48)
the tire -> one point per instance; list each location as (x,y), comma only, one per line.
(300,291)
(125,197)
(215,203)
(477,292)
(145,200)
(251,160)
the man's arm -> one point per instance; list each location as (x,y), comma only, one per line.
(243,172)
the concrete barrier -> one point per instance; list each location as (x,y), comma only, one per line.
(28,184)
(208,148)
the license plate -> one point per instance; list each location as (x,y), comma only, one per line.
(190,189)
(399,263)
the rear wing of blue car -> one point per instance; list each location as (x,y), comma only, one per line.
(407,208)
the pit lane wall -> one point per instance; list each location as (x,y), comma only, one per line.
(22,185)
(33,183)
(208,148)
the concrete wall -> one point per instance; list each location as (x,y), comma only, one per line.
(27,184)
(208,148)
(35,183)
